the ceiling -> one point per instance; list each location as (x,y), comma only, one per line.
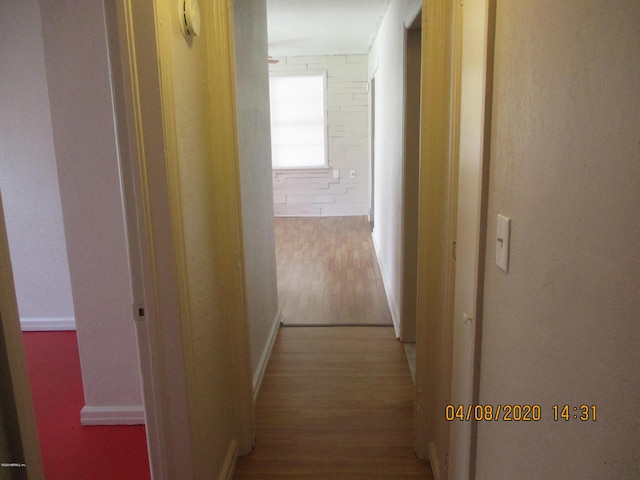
(323,27)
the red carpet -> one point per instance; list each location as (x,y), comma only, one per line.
(69,450)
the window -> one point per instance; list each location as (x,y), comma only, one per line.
(298,121)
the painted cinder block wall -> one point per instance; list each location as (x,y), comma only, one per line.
(316,192)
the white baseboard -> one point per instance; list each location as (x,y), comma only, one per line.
(115,415)
(266,353)
(53,324)
(393,307)
(229,462)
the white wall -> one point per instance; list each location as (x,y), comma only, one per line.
(562,327)
(318,193)
(87,157)
(386,63)
(28,173)
(254,145)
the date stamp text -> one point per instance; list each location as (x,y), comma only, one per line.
(519,413)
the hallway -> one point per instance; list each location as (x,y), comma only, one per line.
(335,403)
(337,396)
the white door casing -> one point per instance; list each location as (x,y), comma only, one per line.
(469,239)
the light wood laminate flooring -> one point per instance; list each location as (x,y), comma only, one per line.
(328,272)
(335,403)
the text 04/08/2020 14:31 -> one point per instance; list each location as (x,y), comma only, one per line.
(519,413)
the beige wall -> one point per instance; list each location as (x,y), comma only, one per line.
(209,243)
(254,146)
(562,327)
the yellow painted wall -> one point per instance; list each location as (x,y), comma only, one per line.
(436,233)
(188,197)
(207,212)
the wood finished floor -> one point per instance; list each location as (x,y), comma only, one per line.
(328,272)
(335,403)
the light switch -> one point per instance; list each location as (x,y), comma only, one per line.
(336,174)
(503,234)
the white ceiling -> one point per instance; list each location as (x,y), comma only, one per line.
(323,27)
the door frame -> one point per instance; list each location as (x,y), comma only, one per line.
(372,147)
(436,230)
(476,63)
(17,401)
(412,45)
(154,279)
(448,82)
(151,184)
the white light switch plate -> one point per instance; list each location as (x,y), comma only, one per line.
(503,235)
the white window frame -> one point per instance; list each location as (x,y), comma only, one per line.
(307,73)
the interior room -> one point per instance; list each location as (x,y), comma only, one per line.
(139,196)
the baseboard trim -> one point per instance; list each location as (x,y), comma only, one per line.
(322,325)
(433,461)
(385,283)
(266,354)
(47,324)
(229,462)
(113,415)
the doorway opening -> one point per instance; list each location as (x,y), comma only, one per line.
(328,271)
(411,184)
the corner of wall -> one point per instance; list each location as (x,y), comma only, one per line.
(394,308)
